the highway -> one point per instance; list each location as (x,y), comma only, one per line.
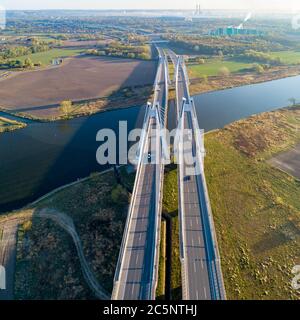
(201,271)
(137,268)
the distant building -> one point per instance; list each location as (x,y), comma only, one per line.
(198,9)
(56,62)
(234,31)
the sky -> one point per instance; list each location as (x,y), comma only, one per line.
(254,5)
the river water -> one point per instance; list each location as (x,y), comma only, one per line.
(44,156)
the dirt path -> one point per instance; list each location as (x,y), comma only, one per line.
(288,161)
(8,257)
(9,225)
(67,224)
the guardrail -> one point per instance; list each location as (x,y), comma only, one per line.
(216,270)
(159,180)
(182,227)
(158,200)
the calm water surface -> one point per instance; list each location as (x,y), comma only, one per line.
(44,156)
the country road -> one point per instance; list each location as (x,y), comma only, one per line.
(8,256)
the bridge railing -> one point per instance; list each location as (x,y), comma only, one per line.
(158,199)
(161,120)
(216,271)
(182,226)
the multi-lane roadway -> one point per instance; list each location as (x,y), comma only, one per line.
(201,270)
(137,268)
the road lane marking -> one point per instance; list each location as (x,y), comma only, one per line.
(205,295)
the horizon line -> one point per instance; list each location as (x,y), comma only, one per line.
(146,9)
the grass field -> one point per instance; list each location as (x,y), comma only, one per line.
(170,206)
(255,206)
(46,57)
(160,290)
(288,57)
(212,67)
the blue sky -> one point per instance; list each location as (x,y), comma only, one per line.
(152,4)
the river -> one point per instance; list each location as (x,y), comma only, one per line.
(44,156)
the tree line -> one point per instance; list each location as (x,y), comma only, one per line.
(118,49)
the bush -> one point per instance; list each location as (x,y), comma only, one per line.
(224,71)
(259,68)
(66,107)
(119,195)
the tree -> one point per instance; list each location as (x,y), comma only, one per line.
(224,71)
(143,56)
(200,60)
(293,101)
(66,107)
(205,78)
(259,68)
(119,195)
(131,55)
(28,63)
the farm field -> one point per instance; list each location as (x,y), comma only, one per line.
(212,67)
(38,92)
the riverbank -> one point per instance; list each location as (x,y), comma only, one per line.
(96,210)
(139,95)
(121,99)
(255,206)
(235,80)
(199,85)
(7,125)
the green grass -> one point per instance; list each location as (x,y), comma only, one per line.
(288,57)
(212,67)
(46,57)
(170,206)
(160,290)
(256,207)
